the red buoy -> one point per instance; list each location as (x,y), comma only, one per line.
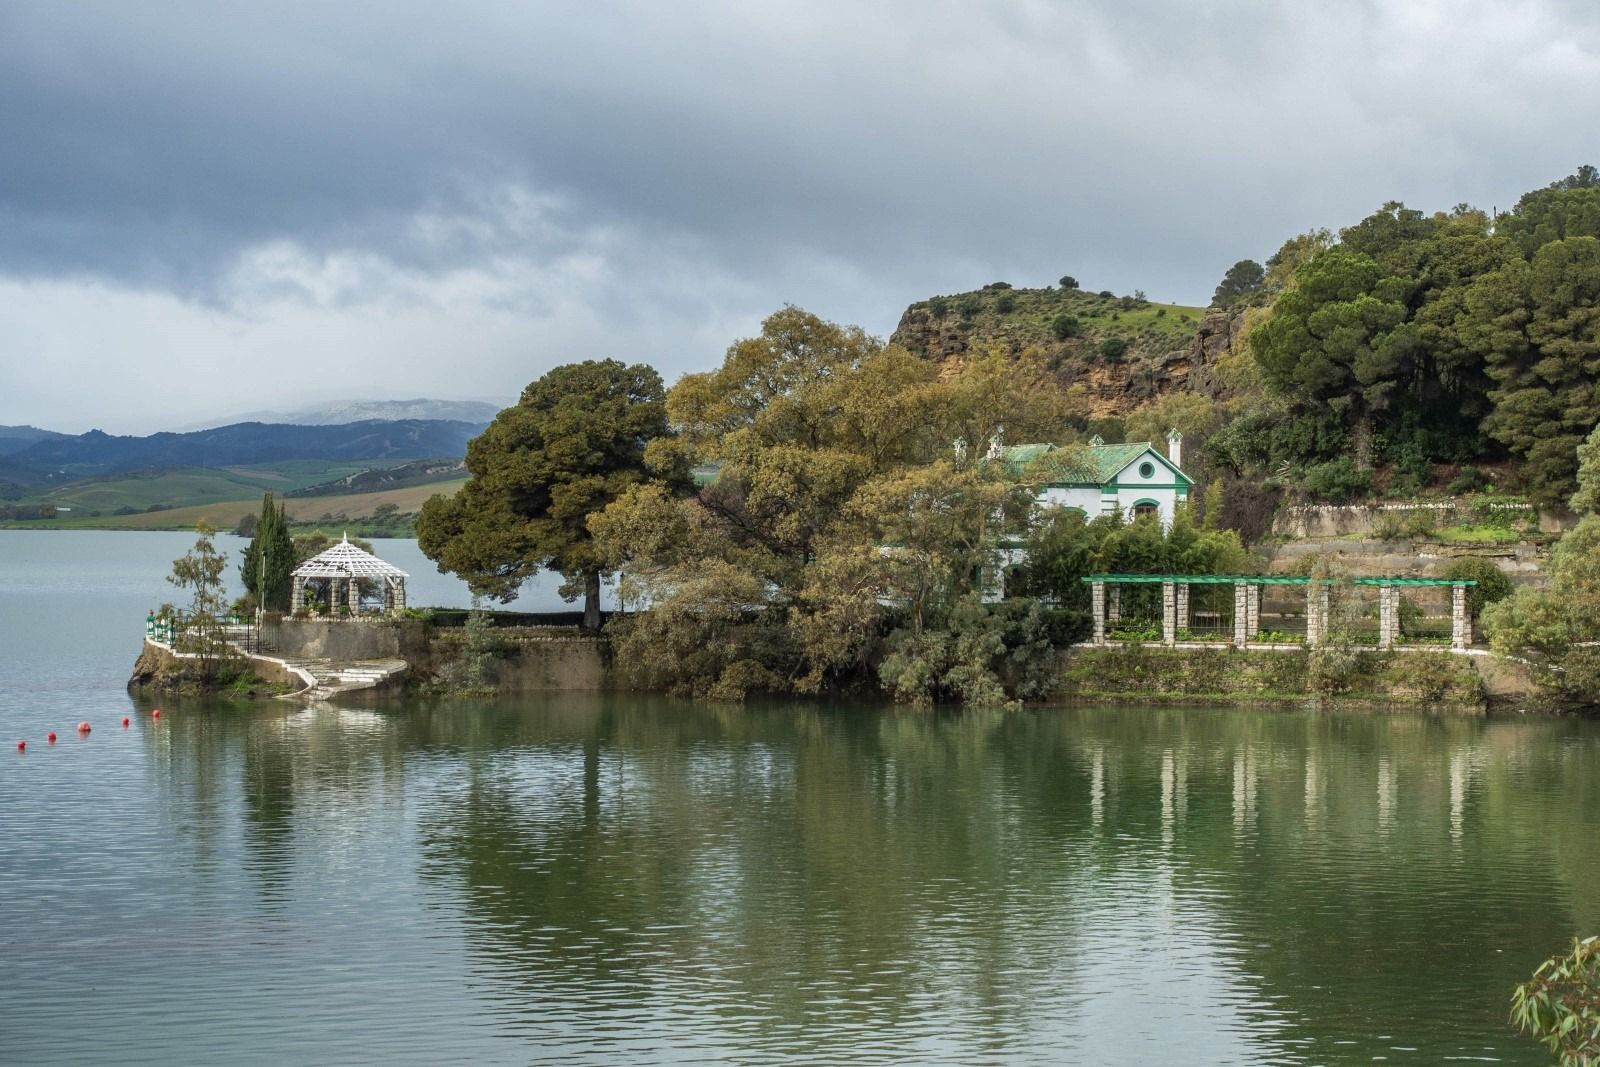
(156,714)
(83,727)
(22,746)
(124,720)
(50,737)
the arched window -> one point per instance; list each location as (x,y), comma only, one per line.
(1142,508)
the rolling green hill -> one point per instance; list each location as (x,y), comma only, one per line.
(180,486)
(226,514)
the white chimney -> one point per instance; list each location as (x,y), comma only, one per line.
(996,443)
(1175,448)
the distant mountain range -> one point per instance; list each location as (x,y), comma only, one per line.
(57,457)
(477,411)
(16,438)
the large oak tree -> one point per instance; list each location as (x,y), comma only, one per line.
(573,443)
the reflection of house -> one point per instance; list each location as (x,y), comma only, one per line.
(1100,479)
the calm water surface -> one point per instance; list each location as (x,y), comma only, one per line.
(601,880)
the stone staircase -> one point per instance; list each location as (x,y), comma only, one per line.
(330,678)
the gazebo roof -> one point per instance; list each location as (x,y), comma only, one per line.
(345,560)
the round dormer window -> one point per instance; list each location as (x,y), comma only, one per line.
(1147,470)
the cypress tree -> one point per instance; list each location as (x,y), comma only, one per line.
(269,560)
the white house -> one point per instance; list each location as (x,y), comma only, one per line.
(1100,479)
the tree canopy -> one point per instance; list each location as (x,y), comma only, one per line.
(269,560)
(572,444)
(1243,281)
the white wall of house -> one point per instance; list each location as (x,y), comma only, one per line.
(1056,496)
(1148,478)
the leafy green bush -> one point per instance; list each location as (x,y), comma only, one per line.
(1065,326)
(939,307)
(1337,481)
(1468,479)
(1006,303)
(1493,585)
(998,285)
(1068,282)
(1558,1004)
(969,306)
(1112,349)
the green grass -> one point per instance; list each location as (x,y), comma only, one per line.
(1477,535)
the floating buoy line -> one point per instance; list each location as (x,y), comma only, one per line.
(84,730)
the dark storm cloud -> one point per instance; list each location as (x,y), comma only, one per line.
(634,172)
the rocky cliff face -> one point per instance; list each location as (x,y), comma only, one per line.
(1164,348)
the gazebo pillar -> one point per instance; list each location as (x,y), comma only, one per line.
(399,594)
(297,595)
(1169,613)
(1241,614)
(1388,615)
(1252,610)
(1316,613)
(352,592)
(1114,605)
(1097,607)
(1460,621)
(1183,606)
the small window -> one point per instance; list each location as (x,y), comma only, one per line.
(1147,470)
(1143,508)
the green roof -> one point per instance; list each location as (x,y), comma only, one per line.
(1090,464)
(1260,579)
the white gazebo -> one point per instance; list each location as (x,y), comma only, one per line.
(343,567)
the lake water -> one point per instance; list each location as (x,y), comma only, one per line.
(619,879)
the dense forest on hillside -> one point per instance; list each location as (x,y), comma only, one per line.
(1409,351)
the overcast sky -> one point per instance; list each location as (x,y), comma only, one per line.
(212,208)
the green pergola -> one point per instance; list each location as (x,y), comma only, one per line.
(1247,603)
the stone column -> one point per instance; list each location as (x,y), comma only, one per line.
(1460,622)
(1388,615)
(1169,614)
(399,594)
(1241,614)
(1114,605)
(1316,613)
(297,595)
(1097,607)
(353,593)
(1183,606)
(1252,610)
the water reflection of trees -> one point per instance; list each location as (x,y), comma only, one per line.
(803,880)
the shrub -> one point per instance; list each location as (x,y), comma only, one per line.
(1106,294)
(1468,479)
(998,285)
(1068,282)
(1558,1007)
(1420,523)
(1337,480)
(1065,326)
(969,306)
(1006,304)
(1493,585)
(1112,349)
(939,307)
